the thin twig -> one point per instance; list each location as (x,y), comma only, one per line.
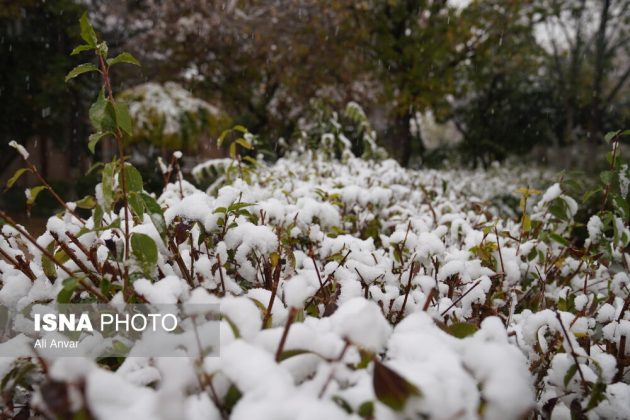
(285,333)
(573,354)
(407,290)
(460,298)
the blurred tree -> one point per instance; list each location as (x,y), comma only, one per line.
(589,44)
(35,40)
(503,107)
(261,62)
(416,48)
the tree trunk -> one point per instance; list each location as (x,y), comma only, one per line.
(595,125)
(400,138)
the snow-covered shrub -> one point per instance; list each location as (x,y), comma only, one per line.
(338,134)
(167,115)
(347,289)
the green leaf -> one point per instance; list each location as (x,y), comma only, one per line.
(611,135)
(69,286)
(231,398)
(123,58)
(97,216)
(134,179)
(598,394)
(102,115)
(80,69)
(108,173)
(87,31)
(390,388)
(232,325)
(156,213)
(145,250)
(461,329)
(559,239)
(366,409)
(238,206)
(287,354)
(81,48)
(606,177)
(558,208)
(94,139)
(136,204)
(343,404)
(15,177)
(47,264)
(570,374)
(33,193)
(123,119)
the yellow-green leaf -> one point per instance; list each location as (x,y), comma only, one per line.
(32,193)
(244,143)
(16,176)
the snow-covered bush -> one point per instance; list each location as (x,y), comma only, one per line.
(338,134)
(347,289)
(167,115)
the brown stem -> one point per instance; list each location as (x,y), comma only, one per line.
(427,302)
(365,286)
(285,333)
(180,262)
(460,298)
(319,277)
(330,277)
(70,253)
(407,290)
(56,196)
(123,176)
(330,377)
(573,354)
(23,267)
(89,255)
(221,274)
(496,233)
(274,290)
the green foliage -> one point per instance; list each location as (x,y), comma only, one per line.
(339,134)
(145,251)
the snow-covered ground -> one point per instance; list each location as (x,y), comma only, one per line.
(393,298)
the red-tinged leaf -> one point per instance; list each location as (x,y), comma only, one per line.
(392,389)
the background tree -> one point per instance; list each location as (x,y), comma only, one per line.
(589,64)
(35,38)
(261,62)
(415,48)
(503,104)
